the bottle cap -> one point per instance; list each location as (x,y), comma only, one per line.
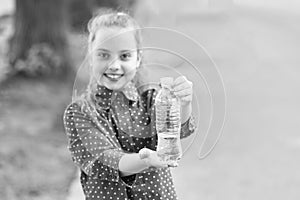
(166,81)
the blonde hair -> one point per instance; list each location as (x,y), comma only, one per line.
(110,18)
(105,19)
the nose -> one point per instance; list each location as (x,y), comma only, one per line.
(115,65)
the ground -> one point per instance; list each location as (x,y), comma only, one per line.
(34,161)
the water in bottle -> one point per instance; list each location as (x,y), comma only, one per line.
(168,123)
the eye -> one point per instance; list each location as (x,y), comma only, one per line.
(125,56)
(103,55)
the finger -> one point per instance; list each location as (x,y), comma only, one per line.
(181,86)
(163,164)
(173,165)
(186,99)
(160,164)
(179,80)
(183,93)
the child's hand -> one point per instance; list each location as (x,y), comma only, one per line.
(183,89)
(151,158)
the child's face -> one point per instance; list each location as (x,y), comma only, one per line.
(114,61)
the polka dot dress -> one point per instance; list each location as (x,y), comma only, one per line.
(121,122)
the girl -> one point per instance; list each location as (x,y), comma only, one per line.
(111,128)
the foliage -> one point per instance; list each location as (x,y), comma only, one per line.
(41,60)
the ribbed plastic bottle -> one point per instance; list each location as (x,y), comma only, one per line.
(168,123)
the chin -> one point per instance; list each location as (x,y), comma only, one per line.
(114,86)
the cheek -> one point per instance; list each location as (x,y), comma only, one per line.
(131,67)
(96,70)
(99,67)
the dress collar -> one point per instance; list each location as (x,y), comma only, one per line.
(103,96)
(130,92)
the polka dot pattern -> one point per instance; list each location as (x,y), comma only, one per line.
(124,123)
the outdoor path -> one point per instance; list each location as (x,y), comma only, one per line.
(75,191)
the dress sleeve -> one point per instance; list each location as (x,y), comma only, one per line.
(188,127)
(91,145)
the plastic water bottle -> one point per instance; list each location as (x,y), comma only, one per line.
(168,123)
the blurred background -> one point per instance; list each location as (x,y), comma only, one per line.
(255,45)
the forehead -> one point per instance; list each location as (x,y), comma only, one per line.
(115,39)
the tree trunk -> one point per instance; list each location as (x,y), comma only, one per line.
(39,46)
(80,12)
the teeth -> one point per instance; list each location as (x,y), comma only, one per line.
(113,76)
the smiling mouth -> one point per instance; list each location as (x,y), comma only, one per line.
(113,77)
